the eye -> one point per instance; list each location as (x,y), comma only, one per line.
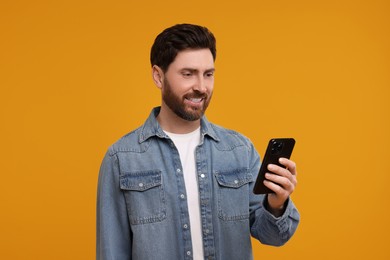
(186,74)
(209,74)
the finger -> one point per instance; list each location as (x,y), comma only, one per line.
(279,170)
(291,165)
(286,183)
(283,173)
(279,190)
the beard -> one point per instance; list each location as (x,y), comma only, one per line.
(180,108)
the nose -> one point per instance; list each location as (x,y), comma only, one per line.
(200,84)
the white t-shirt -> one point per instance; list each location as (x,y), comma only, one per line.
(186,145)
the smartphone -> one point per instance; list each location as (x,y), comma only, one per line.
(277,148)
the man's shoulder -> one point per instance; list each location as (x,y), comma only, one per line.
(127,143)
(230,137)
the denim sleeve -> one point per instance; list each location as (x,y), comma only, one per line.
(113,238)
(264,226)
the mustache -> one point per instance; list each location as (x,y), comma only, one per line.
(196,94)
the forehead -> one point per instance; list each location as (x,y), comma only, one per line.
(200,59)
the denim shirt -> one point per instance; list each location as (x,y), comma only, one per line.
(142,210)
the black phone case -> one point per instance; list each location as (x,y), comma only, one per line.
(277,148)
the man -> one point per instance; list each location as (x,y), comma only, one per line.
(180,187)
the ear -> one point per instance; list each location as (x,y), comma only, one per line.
(158,76)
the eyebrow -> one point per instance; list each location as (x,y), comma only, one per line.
(196,70)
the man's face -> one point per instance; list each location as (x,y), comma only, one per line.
(188,83)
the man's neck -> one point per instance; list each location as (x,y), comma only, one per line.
(172,123)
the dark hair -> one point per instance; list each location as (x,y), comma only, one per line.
(177,38)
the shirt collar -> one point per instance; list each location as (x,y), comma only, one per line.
(151,127)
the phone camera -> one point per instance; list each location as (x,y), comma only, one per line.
(277,147)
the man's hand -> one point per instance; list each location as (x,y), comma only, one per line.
(282,182)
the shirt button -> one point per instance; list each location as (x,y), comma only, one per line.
(207,231)
(141,184)
(182,196)
(188,252)
(178,170)
(185,226)
(235,181)
(202,175)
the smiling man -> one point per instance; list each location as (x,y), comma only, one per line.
(186,88)
(180,187)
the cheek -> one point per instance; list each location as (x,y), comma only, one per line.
(210,85)
(180,85)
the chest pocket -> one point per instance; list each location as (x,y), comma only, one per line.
(144,195)
(233,194)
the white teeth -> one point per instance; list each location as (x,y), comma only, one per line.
(196,100)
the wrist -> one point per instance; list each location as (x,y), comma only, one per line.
(276,210)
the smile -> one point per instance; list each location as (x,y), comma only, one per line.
(195,100)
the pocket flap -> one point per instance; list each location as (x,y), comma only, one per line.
(140,181)
(234,178)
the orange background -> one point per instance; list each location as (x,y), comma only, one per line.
(75,76)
